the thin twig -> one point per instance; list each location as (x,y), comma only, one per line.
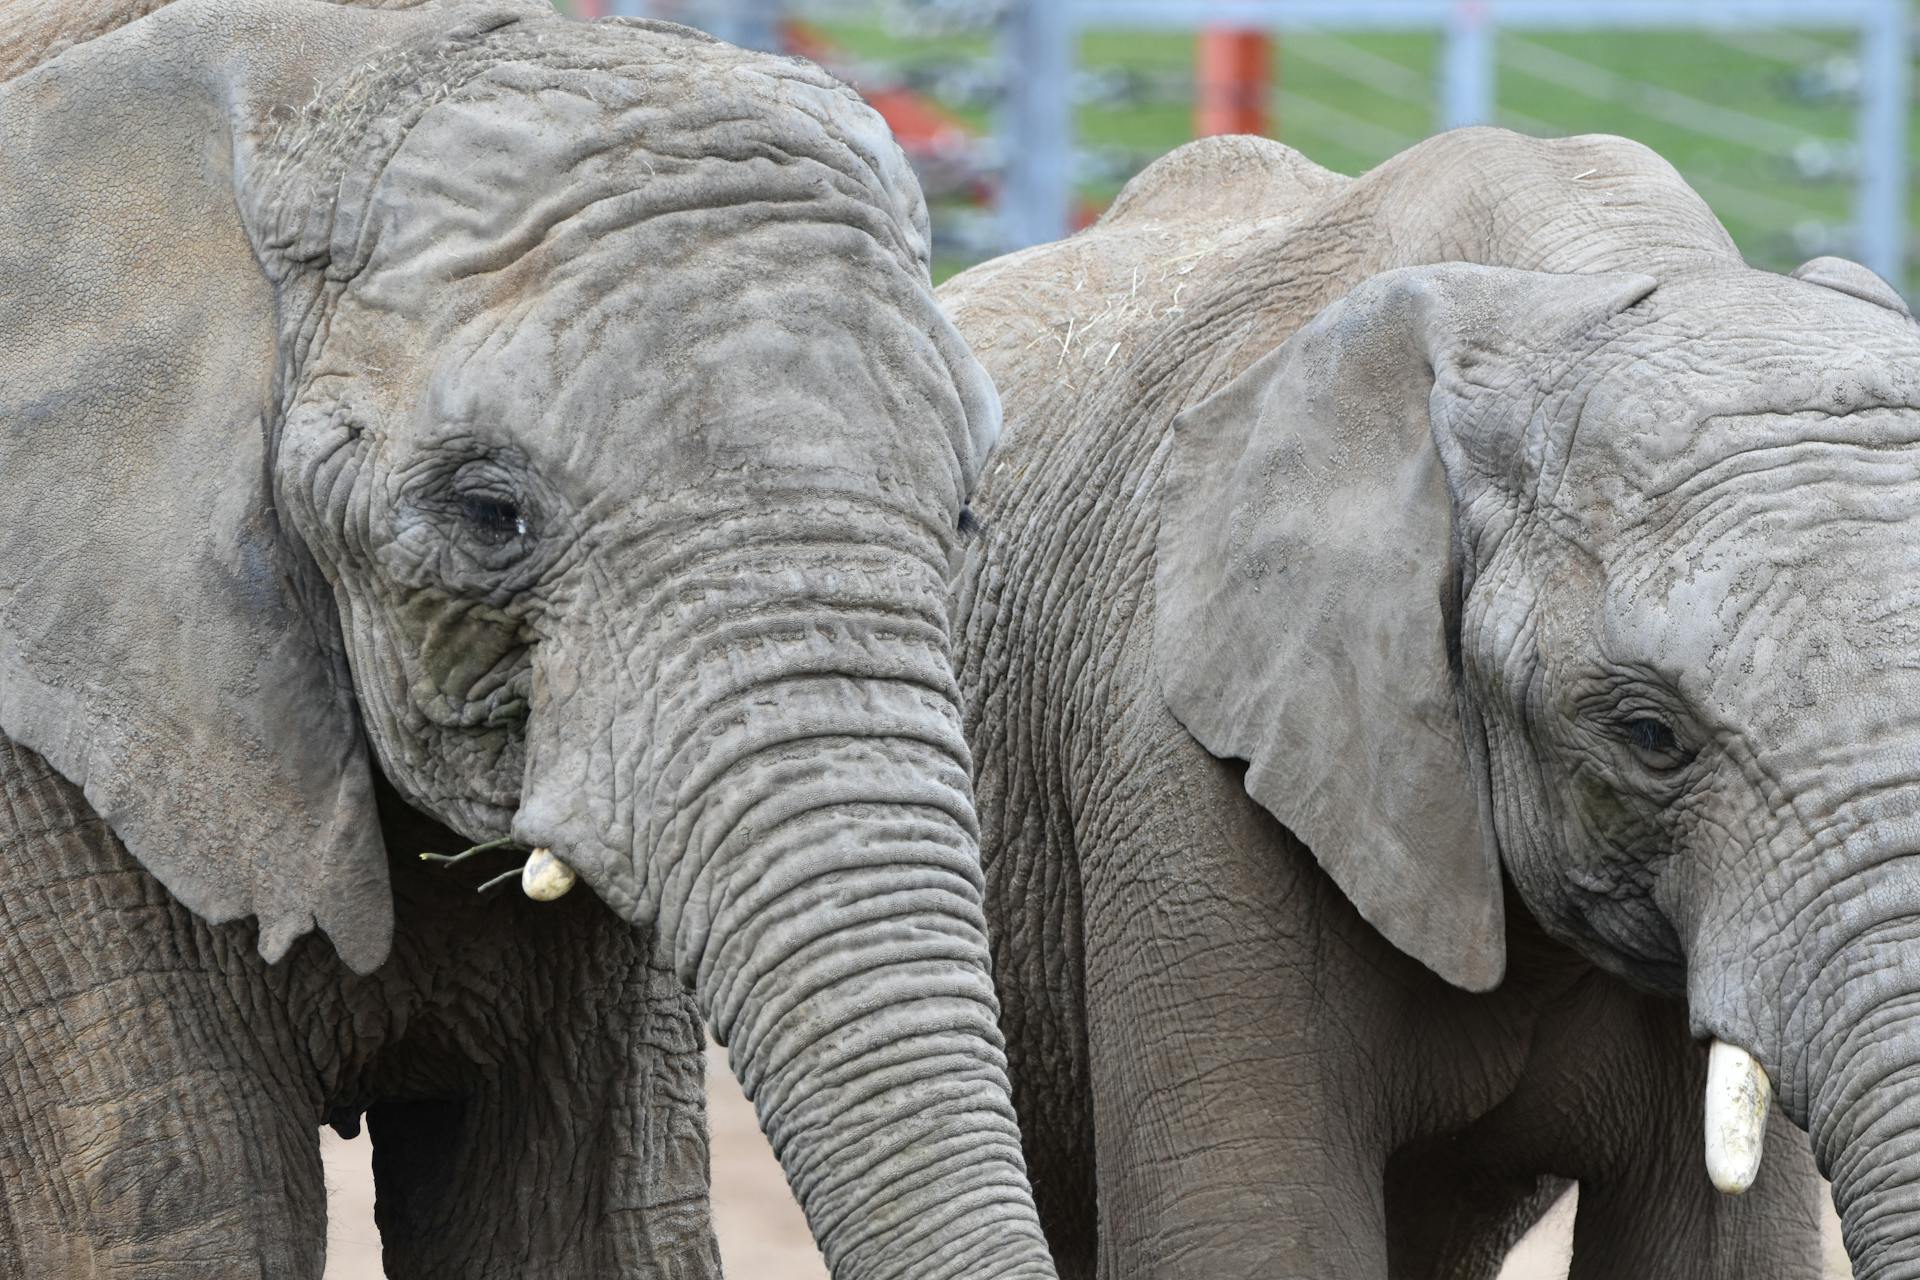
(501,879)
(454,859)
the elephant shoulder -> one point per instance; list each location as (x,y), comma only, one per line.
(1060,315)
(32,32)
(1589,203)
(1223,180)
(1027,315)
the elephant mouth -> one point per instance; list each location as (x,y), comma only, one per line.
(461,760)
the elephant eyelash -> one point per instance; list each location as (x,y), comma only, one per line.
(1654,742)
(497,519)
(1649,734)
(968,524)
(1638,709)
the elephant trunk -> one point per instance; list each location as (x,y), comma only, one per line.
(1830,1009)
(1863,1108)
(783,796)
(845,964)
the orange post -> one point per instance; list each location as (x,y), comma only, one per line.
(1235,79)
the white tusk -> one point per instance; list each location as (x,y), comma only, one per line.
(1737,1098)
(545,877)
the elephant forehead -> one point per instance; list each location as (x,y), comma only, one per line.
(530,161)
(821,379)
(1700,396)
(1775,602)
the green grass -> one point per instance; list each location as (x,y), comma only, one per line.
(1714,73)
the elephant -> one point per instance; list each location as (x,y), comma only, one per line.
(447,428)
(1438,655)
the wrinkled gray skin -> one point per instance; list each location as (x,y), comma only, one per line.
(450,423)
(1416,706)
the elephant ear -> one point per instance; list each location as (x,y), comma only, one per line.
(1306,574)
(162,643)
(1849,277)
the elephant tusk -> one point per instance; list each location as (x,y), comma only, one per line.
(1738,1094)
(545,877)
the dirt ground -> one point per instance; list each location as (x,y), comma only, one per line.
(762,1235)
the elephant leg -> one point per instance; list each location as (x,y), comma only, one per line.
(1612,1096)
(1647,1209)
(1034,903)
(1448,1220)
(603,1114)
(1664,1221)
(153,1119)
(1230,1141)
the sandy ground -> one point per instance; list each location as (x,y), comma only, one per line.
(762,1235)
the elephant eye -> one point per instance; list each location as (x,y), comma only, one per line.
(1654,743)
(494,519)
(1649,735)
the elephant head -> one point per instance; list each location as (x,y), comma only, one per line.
(557,420)
(1610,587)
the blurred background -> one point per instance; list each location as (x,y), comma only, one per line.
(1025,117)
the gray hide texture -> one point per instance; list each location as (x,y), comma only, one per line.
(1304,579)
(157,643)
(182,658)
(1851,278)
(456,425)
(1439,652)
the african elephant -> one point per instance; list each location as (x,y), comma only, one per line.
(453,425)
(1440,653)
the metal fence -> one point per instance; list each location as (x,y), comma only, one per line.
(1039,59)
(1468,83)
